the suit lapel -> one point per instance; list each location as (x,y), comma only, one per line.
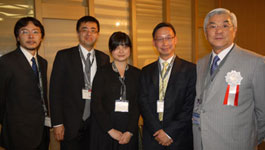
(218,82)
(77,65)
(174,72)
(173,78)
(98,59)
(41,67)
(205,79)
(155,79)
(24,64)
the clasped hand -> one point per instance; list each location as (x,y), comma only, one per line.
(162,138)
(122,138)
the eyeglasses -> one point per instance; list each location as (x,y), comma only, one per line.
(85,31)
(168,39)
(27,32)
(215,27)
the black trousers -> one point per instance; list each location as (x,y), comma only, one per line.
(45,139)
(81,142)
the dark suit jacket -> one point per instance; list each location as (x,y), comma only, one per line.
(22,113)
(67,81)
(178,105)
(106,90)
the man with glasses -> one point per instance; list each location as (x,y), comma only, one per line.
(23,91)
(71,85)
(229,110)
(166,95)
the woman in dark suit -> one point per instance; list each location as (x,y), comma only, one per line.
(114,106)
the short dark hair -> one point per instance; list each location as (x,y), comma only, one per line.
(163,24)
(22,22)
(87,19)
(117,39)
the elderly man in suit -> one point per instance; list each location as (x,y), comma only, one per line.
(229,109)
(23,88)
(166,95)
(71,84)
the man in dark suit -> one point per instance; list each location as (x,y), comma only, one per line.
(71,84)
(23,88)
(167,91)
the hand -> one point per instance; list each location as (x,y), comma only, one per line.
(115,134)
(125,138)
(162,138)
(59,132)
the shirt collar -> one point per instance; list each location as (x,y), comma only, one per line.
(85,51)
(223,53)
(27,54)
(161,61)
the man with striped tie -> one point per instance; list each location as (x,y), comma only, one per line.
(166,95)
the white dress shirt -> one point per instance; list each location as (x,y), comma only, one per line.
(29,56)
(92,60)
(222,54)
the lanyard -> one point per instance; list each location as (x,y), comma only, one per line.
(123,88)
(168,68)
(122,80)
(87,79)
(40,85)
(165,75)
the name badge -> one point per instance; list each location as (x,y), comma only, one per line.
(47,121)
(86,94)
(196,118)
(160,106)
(121,106)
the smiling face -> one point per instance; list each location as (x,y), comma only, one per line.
(30,37)
(121,53)
(88,34)
(165,42)
(220,32)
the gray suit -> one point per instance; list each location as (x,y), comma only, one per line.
(224,127)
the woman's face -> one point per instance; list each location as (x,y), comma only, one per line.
(121,53)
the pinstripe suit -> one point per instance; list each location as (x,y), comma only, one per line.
(225,127)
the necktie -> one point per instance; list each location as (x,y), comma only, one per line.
(34,67)
(86,113)
(162,87)
(214,64)
(88,69)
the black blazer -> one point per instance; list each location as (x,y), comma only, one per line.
(106,90)
(22,114)
(178,105)
(67,81)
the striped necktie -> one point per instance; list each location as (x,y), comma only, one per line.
(214,64)
(162,86)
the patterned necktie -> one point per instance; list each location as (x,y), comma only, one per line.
(86,113)
(162,86)
(88,67)
(214,64)
(34,67)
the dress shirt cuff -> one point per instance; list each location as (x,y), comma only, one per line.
(58,125)
(130,133)
(168,136)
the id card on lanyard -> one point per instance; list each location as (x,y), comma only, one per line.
(121,105)
(86,92)
(160,102)
(47,121)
